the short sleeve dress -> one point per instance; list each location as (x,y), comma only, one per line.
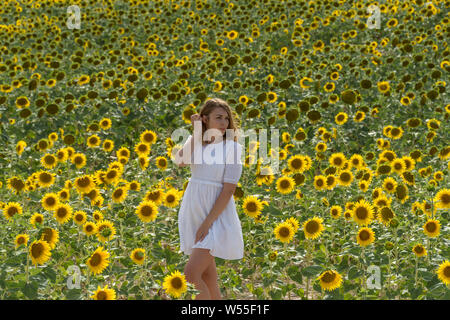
(208,174)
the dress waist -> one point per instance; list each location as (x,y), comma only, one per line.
(217,184)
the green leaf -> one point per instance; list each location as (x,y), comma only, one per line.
(295,274)
(275,294)
(311,271)
(354,273)
(30,290)
(73,294)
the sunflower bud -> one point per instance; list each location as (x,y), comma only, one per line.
(388,245)
(273,255)
(394,223)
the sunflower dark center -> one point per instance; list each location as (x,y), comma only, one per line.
(447,271)
(146,211)
(431,227)
(101,295)
(361,213)
(84,182)
(251,206)
(328,277)
(37,250)
(176,283)
(45,177)
(364,235)
(285,184)
(284,232)
(96,259)
(12,211)
(312,227)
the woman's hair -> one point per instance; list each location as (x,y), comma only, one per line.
(214,103)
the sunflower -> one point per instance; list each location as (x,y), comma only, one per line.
(142,149)
(84,79)
(356,161)
(51,236)
(97,215)
(161,163)
(155,195)
(105,123)
(79,160)
(337,160)
(104,294)
(444,272)
(49,161)
(285,185)
(62,213)
(252,206)
(335,211)
(171,198)
(80,217)
(11,209)
(330,280)
(390,185)
(112,175)
(138,255)
(385,215)
(345,178)
(89,228)
(313,227)
(363,212)
(294,222)
(148,136)
(39,252)
(36,218)
(365,236)
(123,152)
(398,165)
(297,164)
(64,194)
(175,284)
(22,102)
(119,194)
(432,228)
(383,86)
(147,211)
(320,182)
(284,232)
(419,250)
(105,230)
(108,145)
(98,261)
(93,141)
(84,184)
(21,239)
(442,199)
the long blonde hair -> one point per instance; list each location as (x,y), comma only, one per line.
(214,103)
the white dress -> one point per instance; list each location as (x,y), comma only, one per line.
(224,238)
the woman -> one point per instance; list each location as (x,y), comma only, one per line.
(208,222)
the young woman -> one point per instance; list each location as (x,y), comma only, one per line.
(208,222)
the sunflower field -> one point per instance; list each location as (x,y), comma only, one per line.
(91,91)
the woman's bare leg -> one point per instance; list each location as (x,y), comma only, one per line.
(209,276)
(198,262)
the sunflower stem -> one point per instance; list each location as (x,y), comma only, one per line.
(415,277)
(27,268)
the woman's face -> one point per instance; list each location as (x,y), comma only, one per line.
(217,119)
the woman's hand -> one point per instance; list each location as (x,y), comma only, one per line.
(195,117)
(203,231)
